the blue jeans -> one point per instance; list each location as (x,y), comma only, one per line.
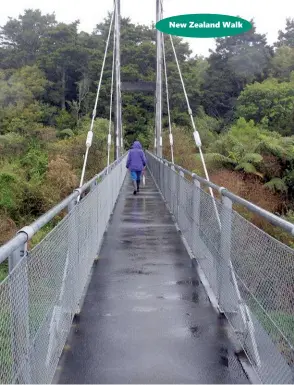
(136,175)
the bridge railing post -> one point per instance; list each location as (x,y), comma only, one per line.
(161,176)
(163,179)
(226,296)
(74,253)
(195,214)
(171,171)
(19,305)
(166,175)
(230,300)
(181,178)
(173,189)
(168,185)
(177,188)
(156,171)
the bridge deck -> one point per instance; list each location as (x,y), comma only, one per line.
(146,317)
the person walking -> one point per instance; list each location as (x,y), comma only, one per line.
(136,162)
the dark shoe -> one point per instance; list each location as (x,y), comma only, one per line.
(135,192)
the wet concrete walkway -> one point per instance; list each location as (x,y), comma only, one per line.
(146,317)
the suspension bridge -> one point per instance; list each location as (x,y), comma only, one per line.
(169,286)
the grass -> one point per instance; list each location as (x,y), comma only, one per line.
(41,234)
(3,270)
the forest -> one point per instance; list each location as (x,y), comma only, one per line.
(242,97)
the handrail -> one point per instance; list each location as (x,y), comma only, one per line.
(27,232)
(270,217)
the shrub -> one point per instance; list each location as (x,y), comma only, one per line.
(35,162)
(11,190)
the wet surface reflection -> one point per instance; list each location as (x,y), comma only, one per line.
(146,317)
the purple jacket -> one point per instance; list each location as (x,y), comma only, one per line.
(136,158)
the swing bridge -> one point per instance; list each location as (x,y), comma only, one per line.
(169,286)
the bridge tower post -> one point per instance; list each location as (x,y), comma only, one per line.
(118,114)
(158,119)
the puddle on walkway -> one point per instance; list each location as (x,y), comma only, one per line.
(138,258)
(180,264)
(144,309)
(137,220)
(169,297)
(135,271)
(140,295)
(189,281)
(224,357)
(194,331)
(156,264)
(176,264)
(126,241)
(193,297)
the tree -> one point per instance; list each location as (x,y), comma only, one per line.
(236,61)
(287,37)
(282,63)
(20,39)
(20,91)
(22,86)
(83,87)
(270,103)
(63,60)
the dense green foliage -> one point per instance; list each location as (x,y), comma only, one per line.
(241,95)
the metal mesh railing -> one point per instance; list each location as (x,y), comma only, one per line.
(39,298)
(250,273)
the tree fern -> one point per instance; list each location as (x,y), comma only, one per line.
(271,145)
(248,168)
(276,185)
(215,158)
(289,178)
(252,158)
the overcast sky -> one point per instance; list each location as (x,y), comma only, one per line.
(269,15)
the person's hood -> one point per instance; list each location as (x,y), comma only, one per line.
(137,144)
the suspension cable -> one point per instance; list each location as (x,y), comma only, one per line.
(110,109)
(196,133)
(167,101)
(198,144)
(90,132)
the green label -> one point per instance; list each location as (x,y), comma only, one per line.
(203,25)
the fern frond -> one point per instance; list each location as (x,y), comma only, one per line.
(217,158)
(249,168)
(252,158)
(276,184)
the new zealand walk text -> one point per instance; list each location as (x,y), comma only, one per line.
(192,24)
